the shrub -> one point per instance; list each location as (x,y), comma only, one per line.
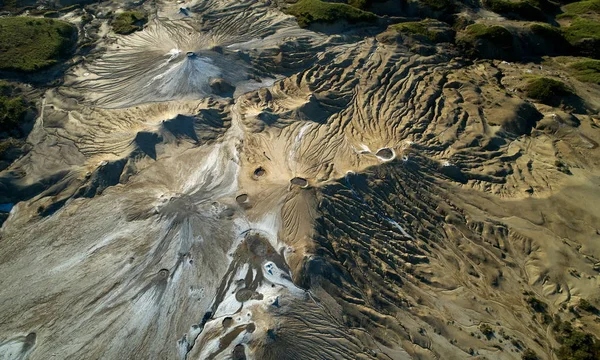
(129,21)
(536,304)
(529,354)
(317,11)
(12,112)
(486,330)
(576,345)
(586,305)
(28,44)
(548,91)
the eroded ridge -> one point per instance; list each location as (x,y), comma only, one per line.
(216,50)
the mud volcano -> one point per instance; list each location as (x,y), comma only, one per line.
(259,172)
(385,154)
(172,60)
(298,181)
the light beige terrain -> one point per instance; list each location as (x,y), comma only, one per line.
(345,201)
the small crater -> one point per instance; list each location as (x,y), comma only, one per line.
(257,244)
(242,199)
(227,322)
(250,327)
(385,154)
(163,273)
(260,171)
(191,54)
(227,213)
(298,181)
(244,295)
(29,342)
(239,353)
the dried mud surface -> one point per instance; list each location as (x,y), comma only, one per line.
(341,200)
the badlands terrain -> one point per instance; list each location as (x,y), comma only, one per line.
(222,179)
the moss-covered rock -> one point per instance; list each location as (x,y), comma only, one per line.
(581,8)
(548,40)
(487,42)
(427,31)
(584,35)
(546,90)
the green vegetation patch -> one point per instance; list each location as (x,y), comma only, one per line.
(529,354)
(487,42)
(486,330)
(551,35)
(428,29)
(515,9)
(13,108)
(575,345)
(582,7)
(587,70)
(587,306)
(317,11)
(547,31)
(28,44)
(581,29)
(497,34)
(12,112)
(359,4)
(548,91)
(129,21)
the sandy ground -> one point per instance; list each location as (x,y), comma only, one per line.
(345,201)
